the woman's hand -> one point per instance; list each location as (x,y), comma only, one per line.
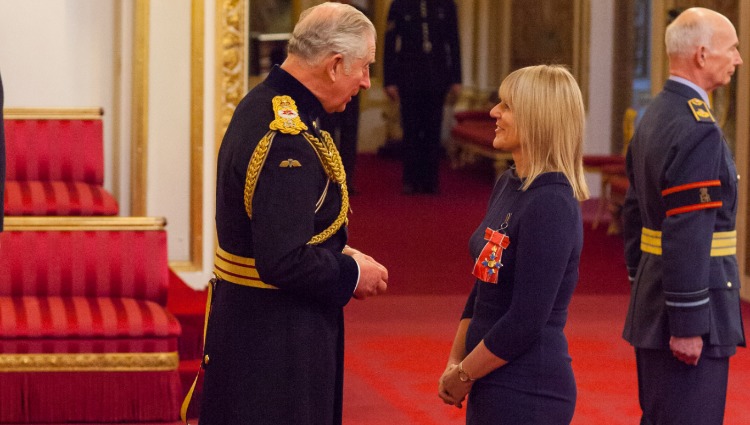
(451,389)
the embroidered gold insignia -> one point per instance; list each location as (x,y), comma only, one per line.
(287,117)
(290,163)
(701,112)
(705,197)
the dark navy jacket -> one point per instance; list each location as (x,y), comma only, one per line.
(527,309)
(682,196)
(283,345)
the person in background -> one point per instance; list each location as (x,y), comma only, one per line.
(421,65)
(510,351)
(344,127)
(275,335)
(679,214)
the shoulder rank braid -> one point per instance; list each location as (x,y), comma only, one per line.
(701,111)
(287,121)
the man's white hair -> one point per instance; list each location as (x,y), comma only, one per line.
(684,36)
(331,28)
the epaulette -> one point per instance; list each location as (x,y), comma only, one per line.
(701,111)
(287,118)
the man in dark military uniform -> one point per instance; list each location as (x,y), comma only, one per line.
(680,240)
(274,344)
(421,64)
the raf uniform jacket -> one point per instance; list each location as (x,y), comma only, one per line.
(274,341)
(421,45)
(680,238)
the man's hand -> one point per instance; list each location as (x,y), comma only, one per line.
(373,276)
(687,350)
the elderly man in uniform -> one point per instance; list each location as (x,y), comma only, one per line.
(421,65)
(275,335)
(680,240)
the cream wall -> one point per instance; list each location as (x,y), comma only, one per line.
(60,54)
(598,124)
(168,166)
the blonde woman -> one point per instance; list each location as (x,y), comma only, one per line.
(510,352)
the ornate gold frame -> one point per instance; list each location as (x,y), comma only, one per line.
(197,63)
(139,123)
(139,109)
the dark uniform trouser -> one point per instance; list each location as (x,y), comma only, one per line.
(422,122)
(672,392)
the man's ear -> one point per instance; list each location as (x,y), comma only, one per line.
(334,66)
(700,56)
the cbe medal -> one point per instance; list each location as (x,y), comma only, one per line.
(489,261)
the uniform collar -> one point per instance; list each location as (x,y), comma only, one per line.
(284,83)
(674,84)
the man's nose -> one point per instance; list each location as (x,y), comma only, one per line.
(365,83)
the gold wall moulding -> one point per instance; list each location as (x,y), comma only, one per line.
(231,76)
(53,113)
(68,223)
(89,362)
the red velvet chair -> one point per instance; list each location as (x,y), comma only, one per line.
(55,163)
(84,333)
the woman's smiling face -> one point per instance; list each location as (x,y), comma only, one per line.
(506,134)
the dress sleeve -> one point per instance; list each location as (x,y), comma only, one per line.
(546,240)
(469,307)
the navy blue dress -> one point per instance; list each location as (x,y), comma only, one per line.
(521,318)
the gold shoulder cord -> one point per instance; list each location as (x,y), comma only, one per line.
(327,154)
(334,168)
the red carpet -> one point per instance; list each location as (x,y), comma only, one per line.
(424,240)
(397,347)
(397,343)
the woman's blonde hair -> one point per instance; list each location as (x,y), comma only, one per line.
(549,115)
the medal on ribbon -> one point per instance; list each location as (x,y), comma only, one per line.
(488,263)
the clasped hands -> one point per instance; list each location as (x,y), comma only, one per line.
(373,276)
(451,389)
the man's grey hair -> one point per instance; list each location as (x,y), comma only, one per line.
(684,36)
(331,28)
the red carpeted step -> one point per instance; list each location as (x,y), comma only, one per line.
(188,306)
